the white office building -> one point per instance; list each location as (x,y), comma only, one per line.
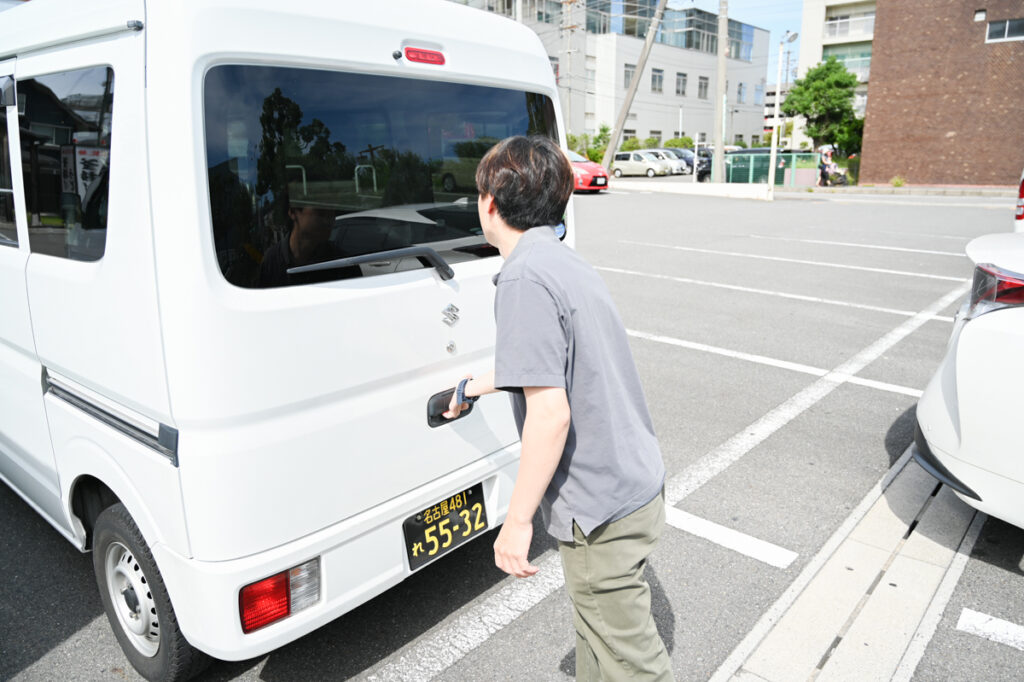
(595,45)
(843,29)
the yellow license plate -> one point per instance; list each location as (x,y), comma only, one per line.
(445,525)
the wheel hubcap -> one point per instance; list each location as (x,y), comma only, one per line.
(132,599)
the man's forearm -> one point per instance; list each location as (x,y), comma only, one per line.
(544,432)
(481,385)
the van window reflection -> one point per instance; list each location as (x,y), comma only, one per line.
(307,166)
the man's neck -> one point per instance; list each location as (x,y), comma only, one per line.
(509,238)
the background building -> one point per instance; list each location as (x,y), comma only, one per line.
(594,46)
(843,29)
(946,102)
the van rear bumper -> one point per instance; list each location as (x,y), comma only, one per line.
(360,558)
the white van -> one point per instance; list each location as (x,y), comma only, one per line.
(233,291)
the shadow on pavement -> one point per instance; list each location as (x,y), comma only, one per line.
(48,592)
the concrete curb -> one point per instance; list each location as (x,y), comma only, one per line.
(951,191)
(685,185)
(711,189)
(861,612)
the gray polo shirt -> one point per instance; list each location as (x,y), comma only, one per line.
(557,326)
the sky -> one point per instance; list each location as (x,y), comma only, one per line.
(775,16)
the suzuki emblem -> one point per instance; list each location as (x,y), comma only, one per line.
(451,315)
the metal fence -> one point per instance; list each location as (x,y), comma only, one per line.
(794,169)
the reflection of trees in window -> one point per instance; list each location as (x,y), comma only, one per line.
(285,142)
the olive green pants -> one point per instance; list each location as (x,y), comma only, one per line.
(616,638)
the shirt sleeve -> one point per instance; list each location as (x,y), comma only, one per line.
(532,337)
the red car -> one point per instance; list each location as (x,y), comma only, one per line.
(590,176)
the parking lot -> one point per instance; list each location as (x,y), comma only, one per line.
(782,347)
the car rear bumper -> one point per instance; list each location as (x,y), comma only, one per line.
(359,558)
(924,456)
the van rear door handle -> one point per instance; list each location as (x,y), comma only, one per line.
(438,404)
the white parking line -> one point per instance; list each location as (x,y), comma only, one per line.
(763,551)
(772,362)
(991,628)
(861,246)
(718,460)
(433,655)
(768,292)
(779,259)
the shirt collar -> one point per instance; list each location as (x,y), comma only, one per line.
(533,235)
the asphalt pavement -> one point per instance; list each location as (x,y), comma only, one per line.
(782,347)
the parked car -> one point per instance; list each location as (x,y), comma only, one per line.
(681,155)
(703,165)
(677,166)
(639,163)
(590,176)
(968,427)
(1018,218)
(231,512)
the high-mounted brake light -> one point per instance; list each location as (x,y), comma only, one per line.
(994,288)
(271,599)
(415,54)
(1020,201)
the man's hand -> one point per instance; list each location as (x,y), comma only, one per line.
(511,548)
(454,408)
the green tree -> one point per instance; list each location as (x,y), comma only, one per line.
(652,142)
(825,98)
(599,143)
(684,142)
(849,137)
(629,145)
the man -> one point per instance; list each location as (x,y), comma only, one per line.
(589,459)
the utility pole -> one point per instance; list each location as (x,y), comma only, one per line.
(570,28)
(718,156)
(613,142)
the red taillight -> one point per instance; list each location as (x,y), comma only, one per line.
(1020,201)
(415,54)
(994,288)
(264,602)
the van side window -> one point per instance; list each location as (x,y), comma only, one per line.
(8,231)
(65,158)
(622,157)
(308,166)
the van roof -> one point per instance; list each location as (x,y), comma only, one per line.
(40,24)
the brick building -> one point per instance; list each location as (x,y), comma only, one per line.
(946,98)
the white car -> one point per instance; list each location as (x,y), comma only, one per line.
(1018,218)
(676,165)
(969,431)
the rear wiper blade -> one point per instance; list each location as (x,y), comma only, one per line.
(433,257)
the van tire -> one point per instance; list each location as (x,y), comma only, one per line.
(618,173)
(130,584)
(650,172)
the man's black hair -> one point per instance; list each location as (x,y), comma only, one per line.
(530,179)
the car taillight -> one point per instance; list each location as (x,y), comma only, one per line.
(994,288)
(1020,201)
(271,599)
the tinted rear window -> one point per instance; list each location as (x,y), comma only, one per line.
(307,166)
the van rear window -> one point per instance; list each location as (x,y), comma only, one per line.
(308,166)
